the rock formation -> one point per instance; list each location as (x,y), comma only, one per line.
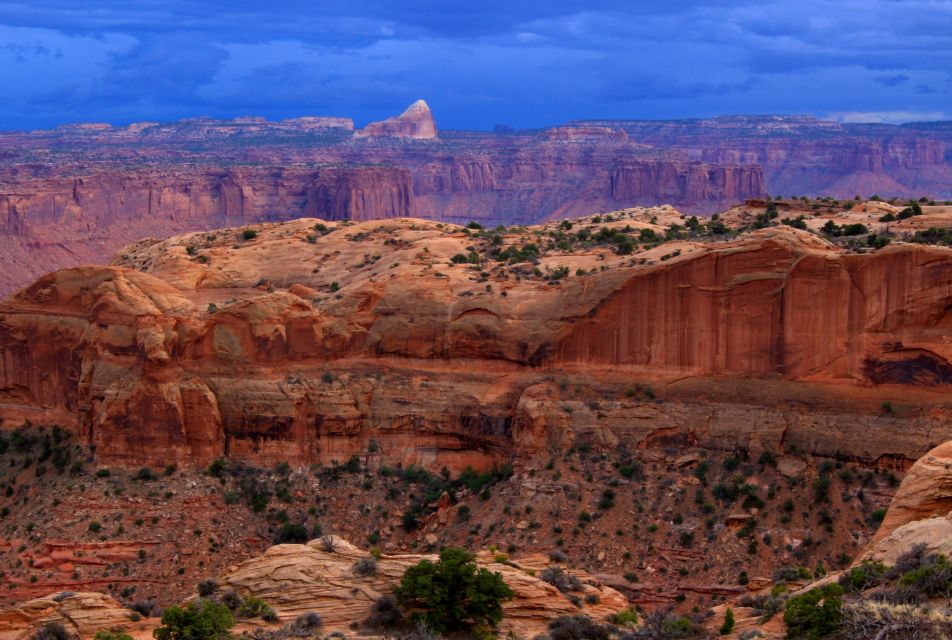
(63,191)
(82,614)
(415,123)
(304,343)
(803,155)
(295,579)
(921,510)
(105,186)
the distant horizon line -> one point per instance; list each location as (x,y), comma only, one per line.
(835,119)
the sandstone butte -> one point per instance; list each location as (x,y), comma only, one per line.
(296,578)
(416,123)
(312,339)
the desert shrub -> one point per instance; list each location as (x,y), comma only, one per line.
(53,631)
(217,468)
(908,561)
(558,578)
(423,631)
(557,556)
(249,234)
(626,618)
(453,592)
(111,635)
(863,577)
(145,474)
(815,614)
(207,588)
(385,612)
(789,573)
(63,595)
(231,599)
(328,543)
(252,607)
(932,578)
(765,606)
(202,620)
(662,624)
(577,628)
(143,607)
(309,620)
(365,567)
(869,620)
(291,532)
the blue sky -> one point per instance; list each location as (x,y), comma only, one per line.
(523,63)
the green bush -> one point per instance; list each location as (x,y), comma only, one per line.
(816,614)
(111,635)
(728,625)
(291,533)
(202,620)
(145,474)
(249,234)
(453,593)
(863,577)
(933,578)
(252,607)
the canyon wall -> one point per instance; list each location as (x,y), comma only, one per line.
(805,156)
(76,194)
(774,341)
(50,222)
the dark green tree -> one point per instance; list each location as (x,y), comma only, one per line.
(816,614)
(202,620)
(728,625)
(453,593)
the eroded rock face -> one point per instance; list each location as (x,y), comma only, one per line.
(306,345)
(295,579)
(82,614)
(920,512)
(805,155)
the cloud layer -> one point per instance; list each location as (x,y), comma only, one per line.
(525,64)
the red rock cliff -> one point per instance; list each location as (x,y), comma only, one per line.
(776,339)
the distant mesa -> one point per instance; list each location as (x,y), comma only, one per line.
(308,123)
(416,123)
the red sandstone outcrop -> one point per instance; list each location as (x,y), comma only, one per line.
(415,123)
(207,345)
(82,614)
(921,510)
(295,579)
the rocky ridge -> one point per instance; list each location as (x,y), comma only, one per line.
(303,341)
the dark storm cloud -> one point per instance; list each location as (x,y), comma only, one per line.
(524,63)
(892,81)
